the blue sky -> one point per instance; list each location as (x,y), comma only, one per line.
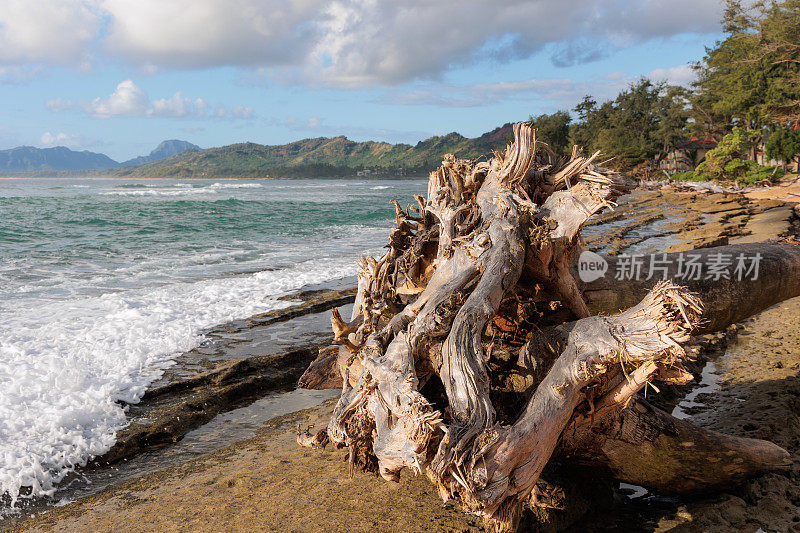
(119,76)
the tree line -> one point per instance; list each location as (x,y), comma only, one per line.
(747,88)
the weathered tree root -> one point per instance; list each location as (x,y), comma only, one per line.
(459,360)
(648,334)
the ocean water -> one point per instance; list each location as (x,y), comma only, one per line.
(104,282)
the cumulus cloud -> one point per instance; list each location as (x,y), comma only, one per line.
(393,42)
(578,52)
(58,104)
(237,112)
(294,123)
(206,33)
(346,43)
(316,126)
(128,99)
(48,140)
(245,112)
(556,92)
(178,106)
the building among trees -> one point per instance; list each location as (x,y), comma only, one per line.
(687,155)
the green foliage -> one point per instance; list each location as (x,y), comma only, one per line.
(733,147)
(783,144)
(554,130)
(639,125)
(752,77)
(744,172)
(727,162)
(685,176)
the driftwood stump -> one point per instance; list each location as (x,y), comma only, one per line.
(470,349)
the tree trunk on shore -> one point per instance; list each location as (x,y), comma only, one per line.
(463,357)
(725,301)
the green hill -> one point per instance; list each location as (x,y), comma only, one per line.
(320,157)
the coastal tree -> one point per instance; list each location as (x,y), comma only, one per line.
(472,354)
(640,124)
(751,78)
(783,144)
(553,129)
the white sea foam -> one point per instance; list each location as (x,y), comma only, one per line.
(180,189)
(161,192)
(65,364)
(235,185)
(380,187)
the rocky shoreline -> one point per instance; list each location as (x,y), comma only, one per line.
(688,221)
(267,482)
(183,402)
(758,396)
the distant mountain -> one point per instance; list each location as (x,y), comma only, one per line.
(30,159)
(321,156)
(318,157)
(162,151)
(62,159)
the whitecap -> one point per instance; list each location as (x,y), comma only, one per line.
(235,185)
(65,365)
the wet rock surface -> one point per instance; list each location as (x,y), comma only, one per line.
(758,396)
(670,221)
(229,370)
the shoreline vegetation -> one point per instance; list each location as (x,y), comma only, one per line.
(245,484)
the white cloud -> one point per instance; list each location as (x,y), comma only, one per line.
(128,99)
(58,104)
(177,106)
(555,92)
(206,33)
(18,73)
(48,140)
(236,112)
(346,43)
(365,42)
(316,126)
(243,112)
(294,123)
(47,31)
